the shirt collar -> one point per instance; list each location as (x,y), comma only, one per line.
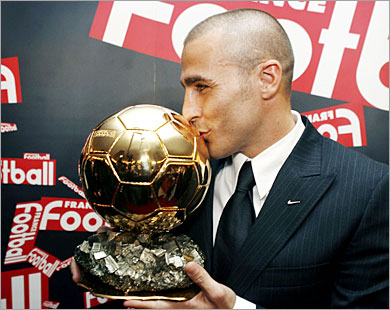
(267,164)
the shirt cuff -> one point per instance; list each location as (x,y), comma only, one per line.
(242,303)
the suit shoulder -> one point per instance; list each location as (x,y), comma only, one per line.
(340,159)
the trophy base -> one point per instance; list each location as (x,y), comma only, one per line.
(100,289)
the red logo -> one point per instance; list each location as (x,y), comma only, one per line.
(23,232)
(50,304)
(36,156)
(43,261)
(71,185)
(10,81)
(343,123)
(92,301)
(7,127)
(69,215)
(23,289)
(341,47)
(27,171)
(65,263)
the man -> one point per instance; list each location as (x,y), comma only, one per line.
(320,236)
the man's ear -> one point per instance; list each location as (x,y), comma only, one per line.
(269,75)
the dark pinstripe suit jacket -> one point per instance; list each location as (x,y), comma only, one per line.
(331,250)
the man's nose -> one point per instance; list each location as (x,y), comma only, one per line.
(191,108)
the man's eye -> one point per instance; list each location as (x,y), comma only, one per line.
(200,87)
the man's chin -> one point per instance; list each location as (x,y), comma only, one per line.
(215,154)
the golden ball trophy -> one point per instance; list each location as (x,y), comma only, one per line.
(144,170)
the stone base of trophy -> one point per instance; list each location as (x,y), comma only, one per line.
(119,265)
(99,289)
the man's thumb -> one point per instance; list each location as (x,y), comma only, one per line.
(200,276)
(219,295)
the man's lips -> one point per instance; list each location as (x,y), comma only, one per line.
(204,134)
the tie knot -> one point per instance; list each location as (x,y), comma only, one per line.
(246,179)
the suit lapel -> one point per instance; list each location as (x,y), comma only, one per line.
(300,179)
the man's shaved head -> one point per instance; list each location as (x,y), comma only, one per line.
(249,37)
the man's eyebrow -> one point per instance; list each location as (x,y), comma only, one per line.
(194,79)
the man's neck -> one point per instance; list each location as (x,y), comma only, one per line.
(279,126)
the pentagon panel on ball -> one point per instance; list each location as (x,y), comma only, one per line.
(144,117)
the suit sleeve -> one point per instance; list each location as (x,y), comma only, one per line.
(362,272)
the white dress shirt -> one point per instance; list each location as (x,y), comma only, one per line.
(266,166)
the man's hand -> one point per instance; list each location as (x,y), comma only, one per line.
(74,269)
(213,295)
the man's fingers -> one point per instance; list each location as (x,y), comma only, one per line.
(200,277)
(220,296)
(74,268)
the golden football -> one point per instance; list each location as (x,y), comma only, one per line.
(145,169)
